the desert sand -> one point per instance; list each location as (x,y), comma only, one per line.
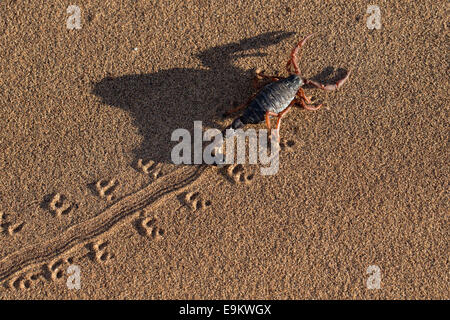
(87,179)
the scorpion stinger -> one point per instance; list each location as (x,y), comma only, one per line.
(293,61)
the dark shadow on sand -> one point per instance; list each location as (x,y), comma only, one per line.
(166,100)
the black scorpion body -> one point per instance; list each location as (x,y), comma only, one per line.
(274,97)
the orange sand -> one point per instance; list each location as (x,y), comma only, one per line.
(362,181)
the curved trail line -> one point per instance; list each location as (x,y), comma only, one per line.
(153,194)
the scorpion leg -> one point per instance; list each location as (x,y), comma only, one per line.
(329,87)
(239,107)
(268,115)
(293,59)
(302,95)
(280,116)
(305,101)
(260,76)
(308,106)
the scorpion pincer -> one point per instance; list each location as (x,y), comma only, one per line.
(276,98)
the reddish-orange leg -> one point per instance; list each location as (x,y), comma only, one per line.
(268,115)
(306,106)
(280,116)
(302,95)
(305,101)
(259,76)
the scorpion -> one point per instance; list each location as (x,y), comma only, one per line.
(276,98)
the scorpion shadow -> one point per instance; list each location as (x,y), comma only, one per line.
(170,99)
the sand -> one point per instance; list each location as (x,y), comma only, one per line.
(86,176)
